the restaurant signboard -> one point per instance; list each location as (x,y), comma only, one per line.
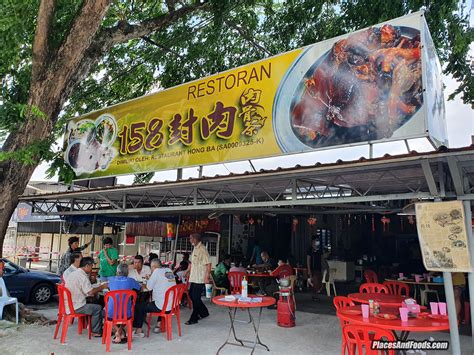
(378,84)
(443,238)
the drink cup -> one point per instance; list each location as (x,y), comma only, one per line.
(442,308)
(365,311)
(434,307)
(208,290)
(400,275)
(403,314)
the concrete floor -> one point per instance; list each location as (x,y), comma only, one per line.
(314,334)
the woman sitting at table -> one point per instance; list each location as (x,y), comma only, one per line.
(121,282)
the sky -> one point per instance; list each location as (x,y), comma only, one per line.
(460,129)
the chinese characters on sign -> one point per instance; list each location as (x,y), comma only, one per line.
(443,238)
(220,122)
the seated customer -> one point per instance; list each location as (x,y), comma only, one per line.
(121,282)
(239,266)
(268,284)
(150,257)
(139,271)
(80,286)
(160,281)
(75,261)
(220,272)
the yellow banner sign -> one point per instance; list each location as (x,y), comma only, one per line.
(356,88)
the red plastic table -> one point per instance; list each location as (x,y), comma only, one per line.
(418,324)
(232,306)
(383,299)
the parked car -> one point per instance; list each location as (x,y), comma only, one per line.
(29,285)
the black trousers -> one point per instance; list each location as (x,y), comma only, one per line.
(199,308)
(141,309)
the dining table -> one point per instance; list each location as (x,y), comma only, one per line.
(234,304)
(383,299)
(422,322)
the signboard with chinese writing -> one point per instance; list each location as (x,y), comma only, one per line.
(443,238)
(362,87)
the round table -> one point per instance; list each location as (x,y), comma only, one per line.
(418,324)
(413,282)
(233,306)
(383,299)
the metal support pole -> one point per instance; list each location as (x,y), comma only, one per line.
(174,245)
(200,171)
(51,252)
(371,150)
(231,225)
(453,320)
(179,174)
(470,275)
(93,234)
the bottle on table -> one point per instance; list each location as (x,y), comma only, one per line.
(244,287)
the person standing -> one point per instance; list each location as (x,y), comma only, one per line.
(65,260)
(108,257)
(313,261)
(256,254)
(199,276)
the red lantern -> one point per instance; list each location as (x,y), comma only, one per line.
(411,219)
(312,221)
(295,224)
(251,221)
(385,221)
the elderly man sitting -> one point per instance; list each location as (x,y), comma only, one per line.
(121,282)
(160,281)
(80,286)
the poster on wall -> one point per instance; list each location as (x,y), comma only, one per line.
(443,239)
(366,86)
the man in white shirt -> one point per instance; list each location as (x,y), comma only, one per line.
(139,272)
(161,279)
(80,286)
(75,261)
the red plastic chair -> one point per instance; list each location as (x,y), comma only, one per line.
(119,300)
(373,288)
(359,337)
(173,295)
(370,276)
(283,271)
(397,288)
(341,302)
(235,281)
(84,320)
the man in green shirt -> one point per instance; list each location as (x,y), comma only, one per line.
(108,260)
(220,272)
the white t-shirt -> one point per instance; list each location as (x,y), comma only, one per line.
(160,281)
(68,271)
(133,273)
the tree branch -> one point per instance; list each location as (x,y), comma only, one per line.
(83,30)
(40,44)
(124,32)
(246,36)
